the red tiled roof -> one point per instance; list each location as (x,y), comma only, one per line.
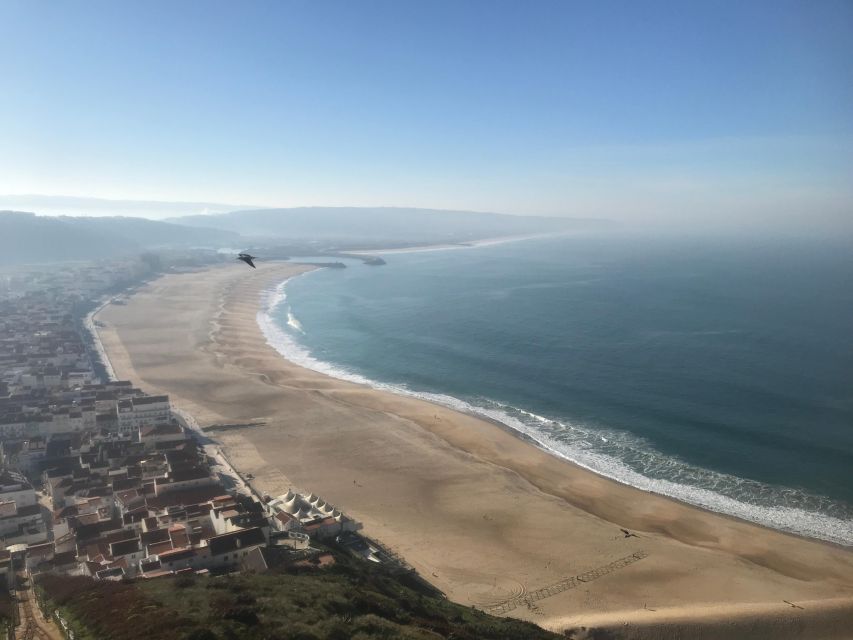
(159,573)
(124,547)
(127,495)
(154,535)
(184,497)
(142,400)
(180,538)
(93,567)
(159,547)
(88,518)
(177,554)
(46,548)
(322,523)
(160,430)
(235,540)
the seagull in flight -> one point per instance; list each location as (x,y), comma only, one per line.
(247,258)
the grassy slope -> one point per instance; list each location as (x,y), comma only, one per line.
(7,609)
(349,600)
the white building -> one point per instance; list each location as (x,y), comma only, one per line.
(140,411)
(182,479)
(309,514)
(160,434)
(21,520)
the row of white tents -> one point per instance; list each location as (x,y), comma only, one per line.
(305,507)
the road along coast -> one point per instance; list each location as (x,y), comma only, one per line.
(488,518)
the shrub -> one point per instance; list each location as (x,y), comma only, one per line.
(183,582)
(201,634)
(243,615)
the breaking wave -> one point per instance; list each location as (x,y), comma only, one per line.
(294,323)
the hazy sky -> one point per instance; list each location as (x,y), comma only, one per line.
(633,110)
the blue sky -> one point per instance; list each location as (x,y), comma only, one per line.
(629,110)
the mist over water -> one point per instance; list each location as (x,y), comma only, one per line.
(717,371)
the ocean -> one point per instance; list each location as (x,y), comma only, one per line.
(716,370)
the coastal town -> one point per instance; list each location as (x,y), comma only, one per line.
(100,479)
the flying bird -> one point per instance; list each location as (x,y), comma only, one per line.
(245,257)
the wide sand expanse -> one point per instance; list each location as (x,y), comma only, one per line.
(478,512)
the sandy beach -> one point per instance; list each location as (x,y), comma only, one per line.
(481,514)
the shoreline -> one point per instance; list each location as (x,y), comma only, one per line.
(284,344)
(91,327)
(462,511)
(472,244)
(276,288)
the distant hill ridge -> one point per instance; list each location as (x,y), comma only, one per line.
(28,238)
(82,206)
(381,224)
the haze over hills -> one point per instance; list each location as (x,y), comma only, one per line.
(28,238)
(79,206)
(382,224)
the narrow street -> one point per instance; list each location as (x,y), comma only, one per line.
(31,623)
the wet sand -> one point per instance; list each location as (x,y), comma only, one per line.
(481,514)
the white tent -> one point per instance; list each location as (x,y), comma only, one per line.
(291,506)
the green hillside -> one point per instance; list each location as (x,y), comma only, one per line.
(350,599)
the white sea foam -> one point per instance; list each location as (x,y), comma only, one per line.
(605,451)
(294,323)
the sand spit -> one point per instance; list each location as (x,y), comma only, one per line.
(486,517)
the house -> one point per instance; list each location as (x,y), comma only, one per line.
(21,520)
(7,572)
(130,550)
(138,411)
(290,539)
(229,549)
(156,435)
(38,554)
(184,558)
(184,479)
(309,514)
(238,512)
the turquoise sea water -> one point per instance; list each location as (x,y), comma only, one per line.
(717,371)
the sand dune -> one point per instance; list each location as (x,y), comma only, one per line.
(483,515)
